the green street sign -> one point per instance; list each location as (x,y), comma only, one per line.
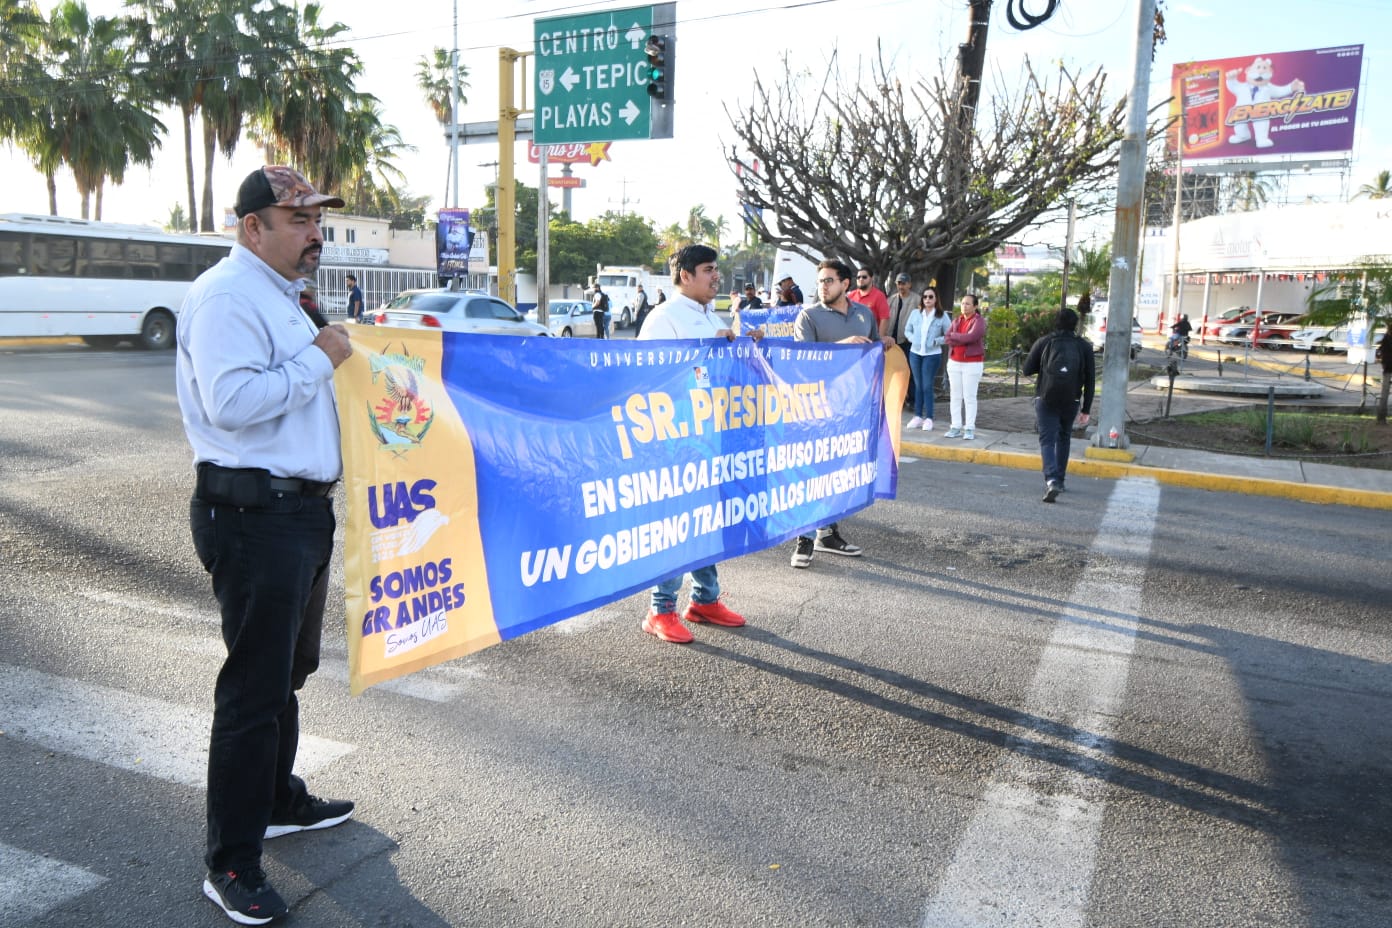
(601,77)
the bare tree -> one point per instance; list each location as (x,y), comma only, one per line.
(896,178)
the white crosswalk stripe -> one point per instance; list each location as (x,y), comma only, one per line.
(97,723)
(124,730)
(31,884)
(1027,857)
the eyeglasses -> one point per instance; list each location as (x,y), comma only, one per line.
(930,295)
(862,277)
(824,281)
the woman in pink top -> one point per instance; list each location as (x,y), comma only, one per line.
(966,338)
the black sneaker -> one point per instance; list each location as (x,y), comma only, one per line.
(245,896)
(1051,491)
(833,543)
(311,815)
(802,554)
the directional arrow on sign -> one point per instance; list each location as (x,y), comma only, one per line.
(569,79)
(635,35)
(630,112)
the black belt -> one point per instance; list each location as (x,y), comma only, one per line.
(302,487)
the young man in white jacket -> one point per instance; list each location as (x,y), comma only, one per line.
(689,315)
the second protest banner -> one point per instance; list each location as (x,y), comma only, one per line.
(496,485)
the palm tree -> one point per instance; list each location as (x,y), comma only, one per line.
(435,78)
(373,177)
(1379,189)
(669,241)
(214,59)
(305,114)
(97,113)
(21,29)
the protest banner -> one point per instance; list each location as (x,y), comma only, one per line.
(496,485)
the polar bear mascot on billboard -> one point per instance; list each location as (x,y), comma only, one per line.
(1257,88)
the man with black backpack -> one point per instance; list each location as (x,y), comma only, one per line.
(1066,370)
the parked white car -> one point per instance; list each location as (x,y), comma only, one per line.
(1321,338)
(568,318)
(1097,334)
(455,311)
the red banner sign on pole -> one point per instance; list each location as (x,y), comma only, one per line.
(590,153)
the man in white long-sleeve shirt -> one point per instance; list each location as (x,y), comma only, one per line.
(689,315)
(255,384)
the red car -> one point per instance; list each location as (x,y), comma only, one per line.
(1236,315)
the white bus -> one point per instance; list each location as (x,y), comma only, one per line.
(100,281)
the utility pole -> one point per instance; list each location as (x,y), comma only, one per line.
(454,106)
(1126,243)
(971,62)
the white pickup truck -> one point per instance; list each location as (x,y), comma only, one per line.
(621,282)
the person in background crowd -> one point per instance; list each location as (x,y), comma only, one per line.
(689,314)
(867,294)
(254,379)
(750,300)
(600,302)
(902,304)
(927,330)
(355,299)
(967,338)
(789,293)
(643,307)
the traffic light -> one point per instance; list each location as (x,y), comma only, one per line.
(659,68)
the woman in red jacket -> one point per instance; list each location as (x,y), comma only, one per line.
(966,338)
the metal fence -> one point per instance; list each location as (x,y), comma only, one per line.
(379,284)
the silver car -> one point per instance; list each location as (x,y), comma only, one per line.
(568,318)
(455,311)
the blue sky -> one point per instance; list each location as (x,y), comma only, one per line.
(721,45)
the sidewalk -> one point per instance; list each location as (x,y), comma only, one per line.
(1005,437)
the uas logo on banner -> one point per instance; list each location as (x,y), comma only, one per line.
(497,485)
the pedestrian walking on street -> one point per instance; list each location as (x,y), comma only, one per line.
(1067,373)
(965,363)
(255,385)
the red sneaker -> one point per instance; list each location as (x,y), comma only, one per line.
(716,613)
(668,627)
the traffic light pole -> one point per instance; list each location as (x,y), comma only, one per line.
(506,197)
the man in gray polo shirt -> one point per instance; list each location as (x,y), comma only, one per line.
(834,319)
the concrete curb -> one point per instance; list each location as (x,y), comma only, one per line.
(1222,483)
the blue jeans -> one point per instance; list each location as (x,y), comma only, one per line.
(705,588)
(925,371)
(1055,437)
(270,572)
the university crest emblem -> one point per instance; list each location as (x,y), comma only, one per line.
(402,414)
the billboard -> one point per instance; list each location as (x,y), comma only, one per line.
(1257,108)
(453,239)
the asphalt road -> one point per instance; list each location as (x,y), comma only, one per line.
(1140,706)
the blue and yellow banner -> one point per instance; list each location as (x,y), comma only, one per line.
(496,485)
(776,321)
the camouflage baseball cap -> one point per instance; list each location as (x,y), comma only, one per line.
(278,185)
